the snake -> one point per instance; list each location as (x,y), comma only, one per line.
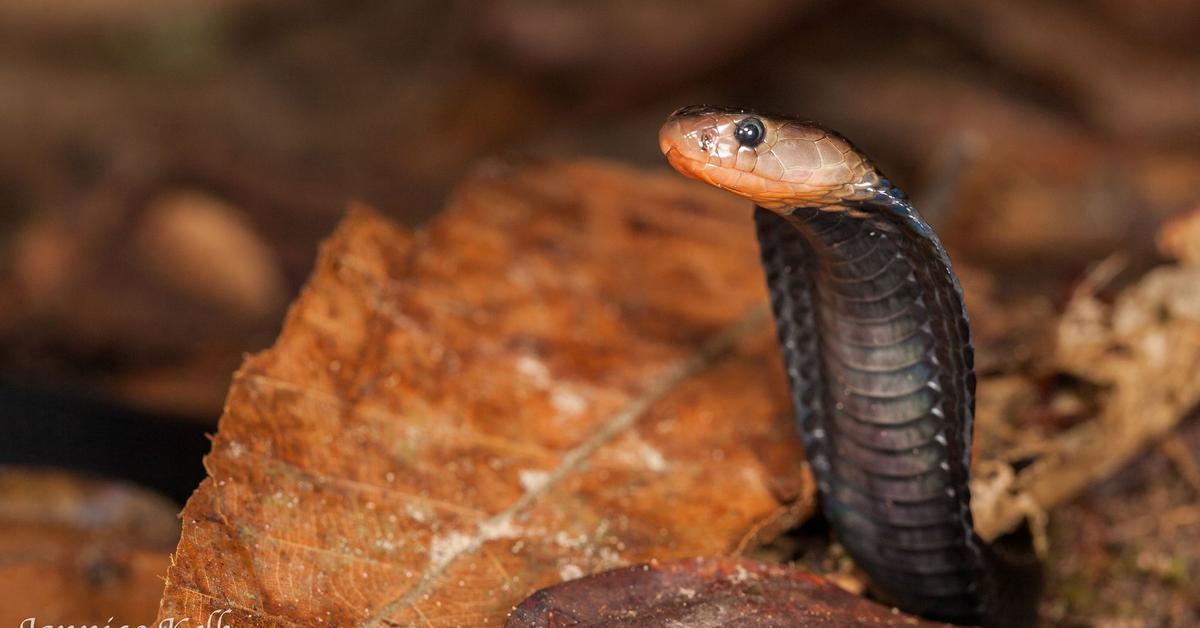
(876,343)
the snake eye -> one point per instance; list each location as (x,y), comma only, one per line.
(750,132)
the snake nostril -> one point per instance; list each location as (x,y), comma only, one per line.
(706,141)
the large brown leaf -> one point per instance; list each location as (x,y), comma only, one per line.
(569,371)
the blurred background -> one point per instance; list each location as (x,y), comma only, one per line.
(168,168)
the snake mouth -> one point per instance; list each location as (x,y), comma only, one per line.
(687,166)
(699,170)
(691,166)
(731,180)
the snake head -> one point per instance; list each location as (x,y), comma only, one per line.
(779,162)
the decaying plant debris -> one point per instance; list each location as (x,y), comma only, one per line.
(426,445)
(73,546)
(704,593)
(168,169)
(1143,352)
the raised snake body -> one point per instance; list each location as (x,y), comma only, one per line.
(877,348)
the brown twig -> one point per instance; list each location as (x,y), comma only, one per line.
(1182,458)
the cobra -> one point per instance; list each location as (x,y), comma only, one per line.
(877,347)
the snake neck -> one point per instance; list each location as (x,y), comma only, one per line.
(879,359)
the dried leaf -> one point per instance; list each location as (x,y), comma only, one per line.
(1180,238)
(1145,349)
(569,371)
(1143,92)
(703,593)
(204,250)
(80,552)
(573,40)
